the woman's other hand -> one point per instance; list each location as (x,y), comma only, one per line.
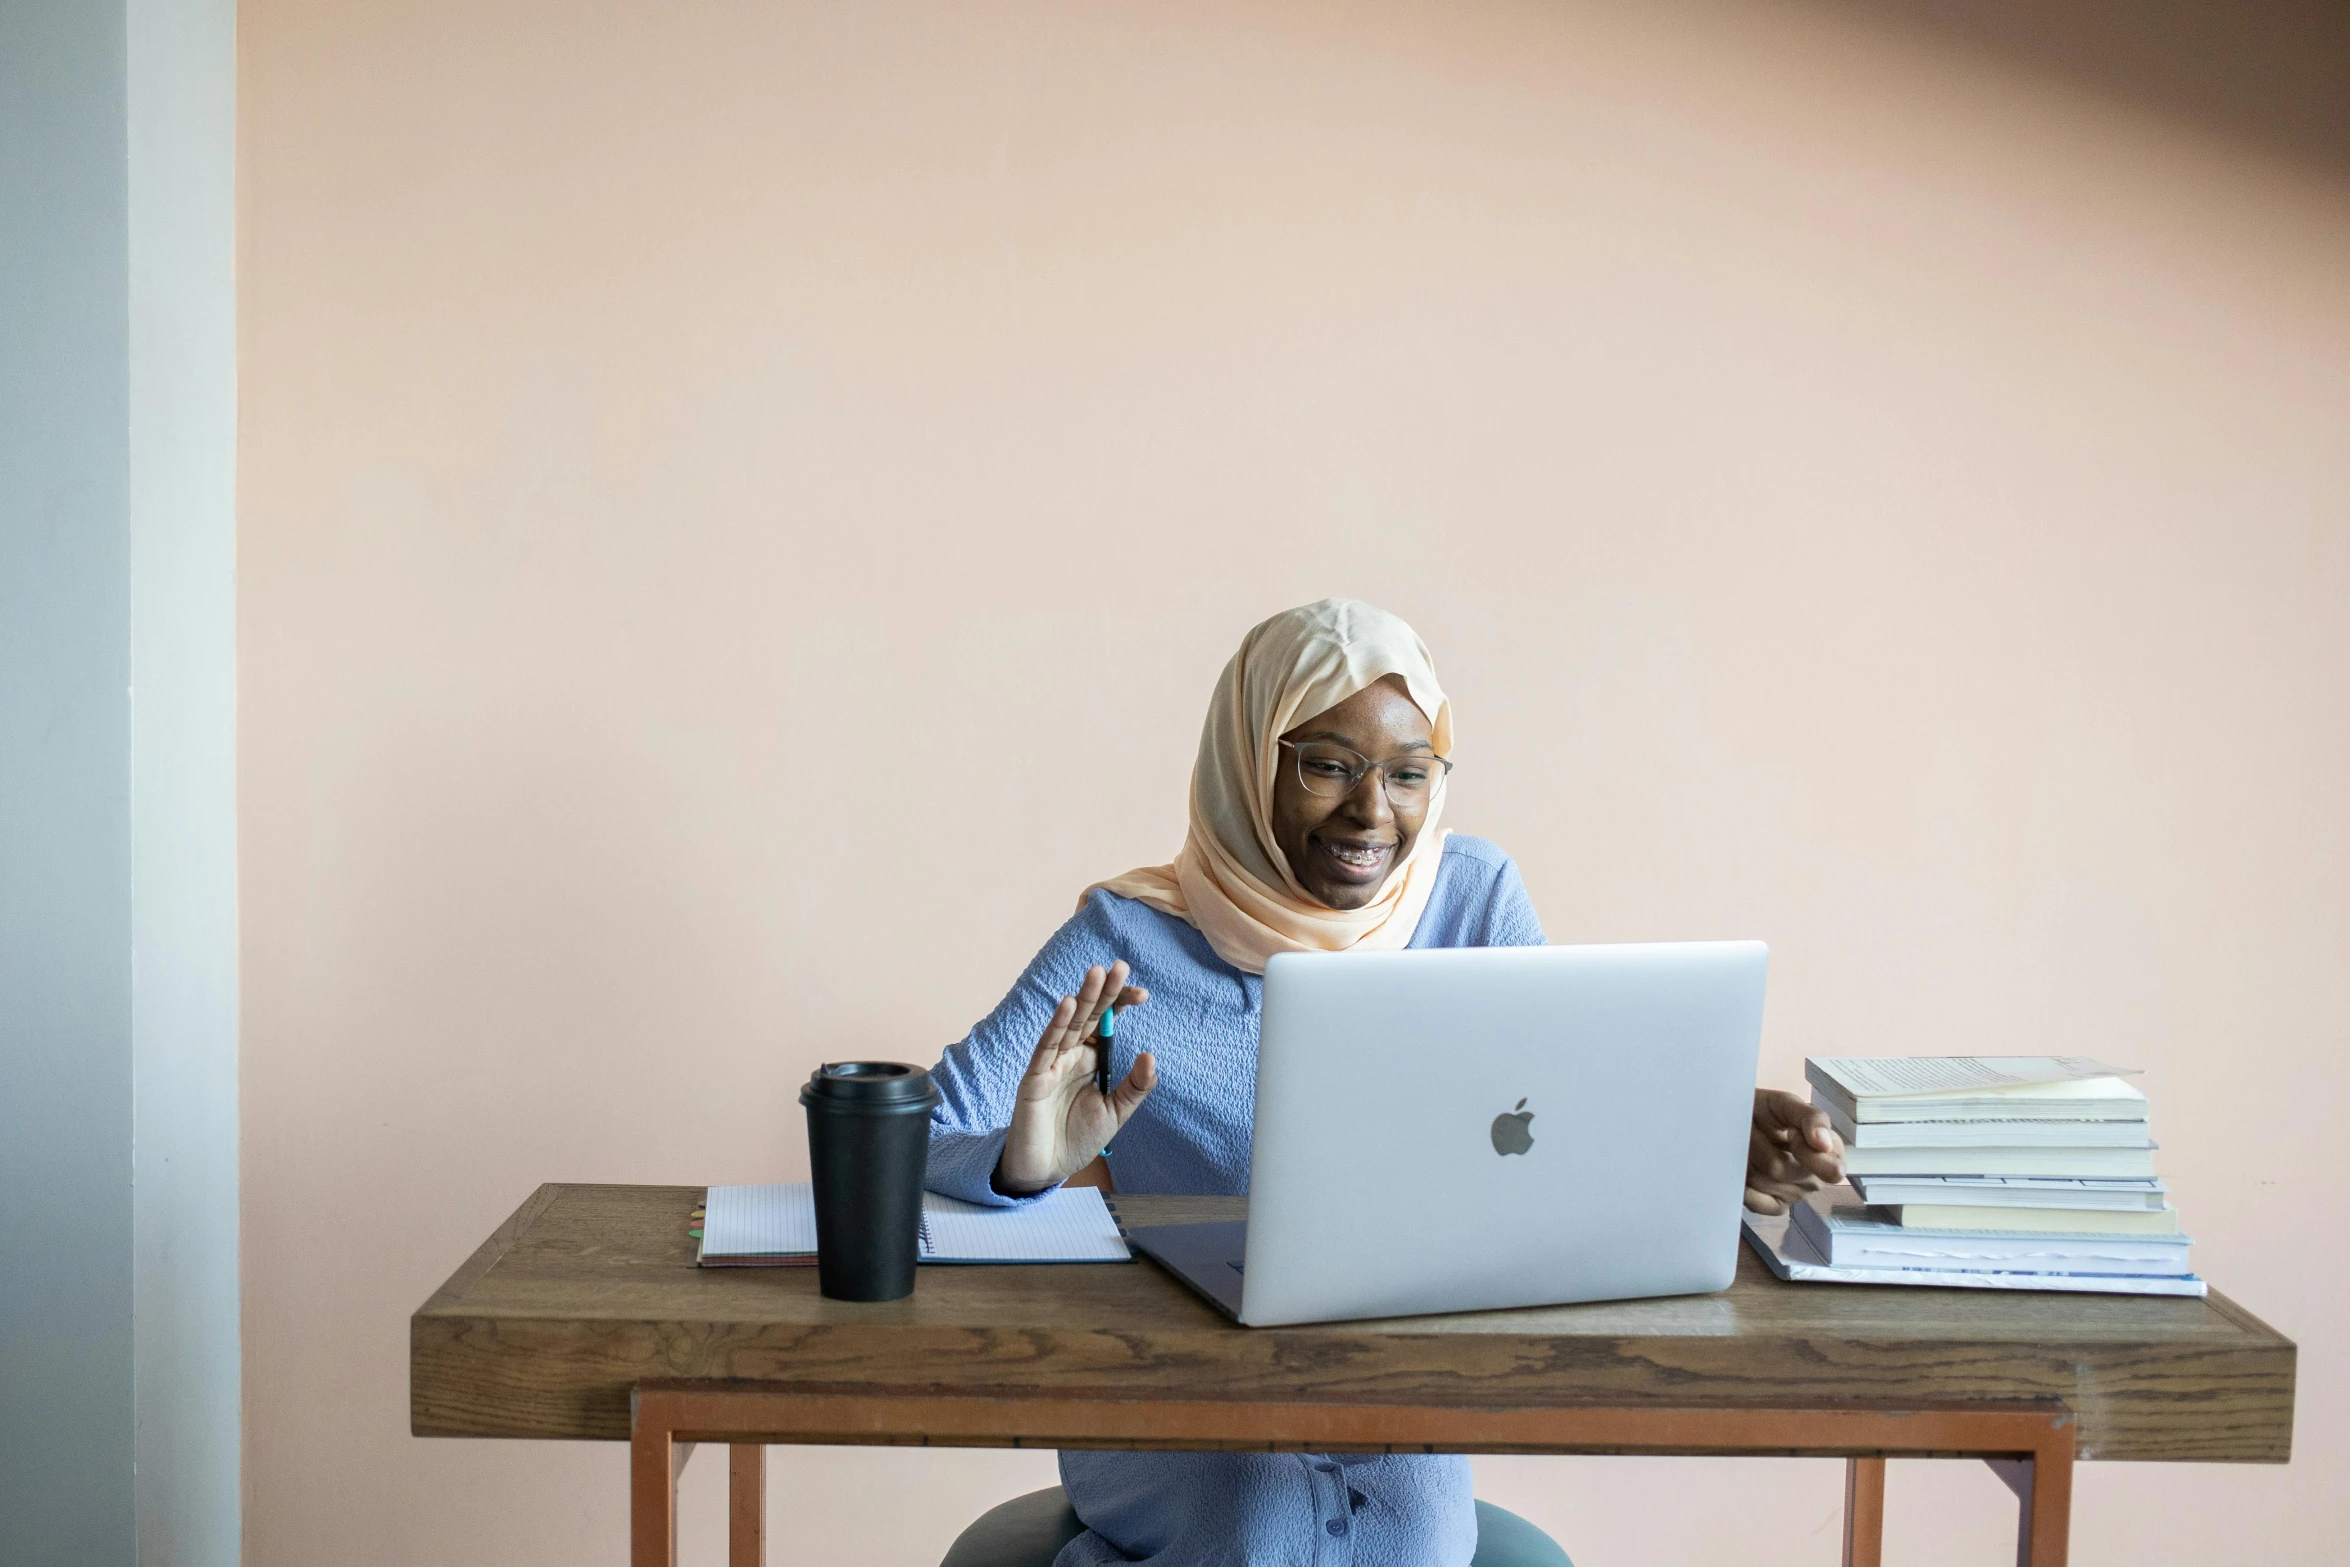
(1060,1120)
(1792,1151)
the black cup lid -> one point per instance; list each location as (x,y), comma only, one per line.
(870,1082)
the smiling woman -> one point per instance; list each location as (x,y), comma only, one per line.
(1315,810)
(1280,857)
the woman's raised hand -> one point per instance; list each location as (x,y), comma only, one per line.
(1061,1119)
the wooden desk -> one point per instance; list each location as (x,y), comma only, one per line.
(584,1317)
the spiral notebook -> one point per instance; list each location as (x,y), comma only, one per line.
(1788,1252)
(775,1227)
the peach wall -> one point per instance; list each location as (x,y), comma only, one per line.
(742,504)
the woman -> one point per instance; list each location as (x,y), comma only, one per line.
(1314,811)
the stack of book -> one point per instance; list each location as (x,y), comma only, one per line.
(2031,1172)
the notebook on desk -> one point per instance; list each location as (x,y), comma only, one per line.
(775,1227)
(1790,1251)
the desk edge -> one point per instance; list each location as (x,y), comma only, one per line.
(2234,1310)
(490,1252)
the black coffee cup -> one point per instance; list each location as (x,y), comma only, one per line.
(868,1148)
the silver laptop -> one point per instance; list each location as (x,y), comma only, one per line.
(1462,1128)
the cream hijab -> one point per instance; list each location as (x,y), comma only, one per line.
(1231,879)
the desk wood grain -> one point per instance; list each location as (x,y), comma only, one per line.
(588,1290)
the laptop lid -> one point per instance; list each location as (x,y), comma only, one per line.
(1455,1129)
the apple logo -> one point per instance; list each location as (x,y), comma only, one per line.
(1509,1130)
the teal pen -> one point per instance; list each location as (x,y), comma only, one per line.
(1101,1051)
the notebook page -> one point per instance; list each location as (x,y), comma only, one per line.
(760,1221)
(1068,1224)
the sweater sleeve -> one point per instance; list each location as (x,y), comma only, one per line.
(979,1076)
(1509,917)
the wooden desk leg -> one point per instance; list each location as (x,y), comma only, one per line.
(2043,1487)
(654,1463)
(746,1495)
(1864,1512)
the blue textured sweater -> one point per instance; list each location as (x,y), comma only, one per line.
(1192,1136)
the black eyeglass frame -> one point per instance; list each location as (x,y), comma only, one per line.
(1354,779)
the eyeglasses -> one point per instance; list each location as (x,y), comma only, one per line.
(1336,771)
